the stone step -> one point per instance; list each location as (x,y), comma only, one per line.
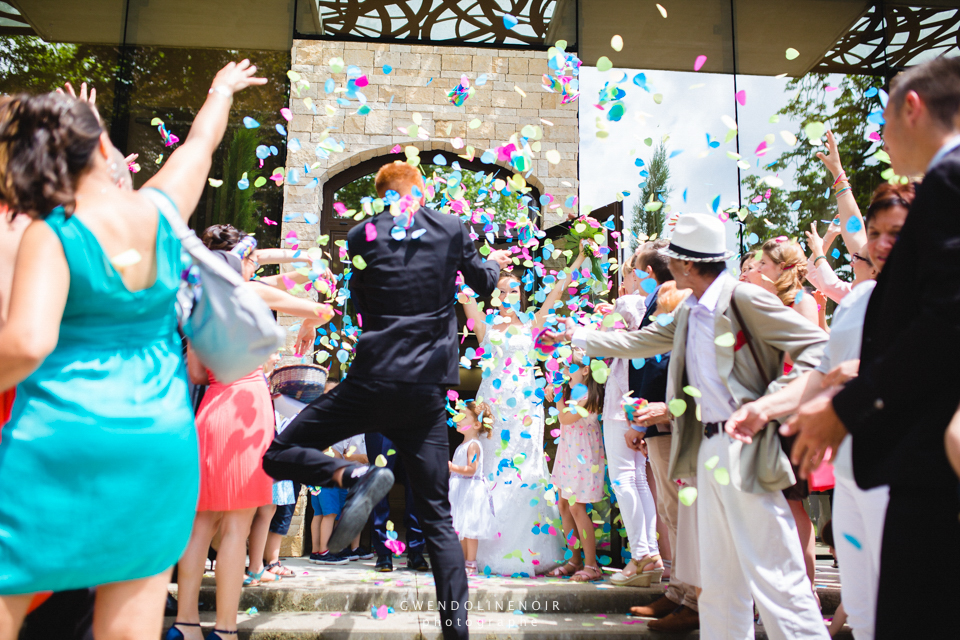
(355,587)
(426,626)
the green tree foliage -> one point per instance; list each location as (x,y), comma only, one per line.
(771,213)
(233,205)
(648,218)
(28,64)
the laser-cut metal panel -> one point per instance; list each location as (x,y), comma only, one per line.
(913,35)
(464,21)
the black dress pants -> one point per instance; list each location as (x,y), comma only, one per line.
(414,417)
(378,444)
(919,592)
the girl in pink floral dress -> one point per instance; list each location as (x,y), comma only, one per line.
(578,470)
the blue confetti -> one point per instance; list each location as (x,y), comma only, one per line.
(849,538)
(509,21)
(869,93)
(387,69)
(795,205)
(835,253)
(250,123)
(854,225)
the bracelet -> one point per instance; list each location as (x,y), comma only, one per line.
(847,188)
(842,176)
(818,259)
(222,90)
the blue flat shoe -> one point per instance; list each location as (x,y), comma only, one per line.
(216,634)
(175,634)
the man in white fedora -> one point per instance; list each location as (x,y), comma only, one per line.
(729,341)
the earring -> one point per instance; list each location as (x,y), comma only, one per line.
(686,273)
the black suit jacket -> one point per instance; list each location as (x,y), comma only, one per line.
(909,383)
(406,295)
(650,381)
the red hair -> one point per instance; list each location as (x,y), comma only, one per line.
(397,176)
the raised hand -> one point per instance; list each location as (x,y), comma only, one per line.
(502,257)
(90,98)
(565,335)
(831,161)
(237,76)
(814,241)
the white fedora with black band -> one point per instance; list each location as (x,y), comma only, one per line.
(698,238)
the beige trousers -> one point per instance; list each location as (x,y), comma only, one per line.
(668,510)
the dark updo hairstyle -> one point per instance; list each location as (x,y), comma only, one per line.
(222,237)
(889,195)
(46,144)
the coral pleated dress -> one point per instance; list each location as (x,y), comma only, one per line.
(235,426)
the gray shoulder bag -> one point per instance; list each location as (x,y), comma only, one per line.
(230,328)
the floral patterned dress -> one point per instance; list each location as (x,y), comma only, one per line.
(578,469)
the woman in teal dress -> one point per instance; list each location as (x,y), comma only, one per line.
(99,462)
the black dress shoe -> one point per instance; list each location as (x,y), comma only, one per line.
(417,562)
(368,491)
(384,564)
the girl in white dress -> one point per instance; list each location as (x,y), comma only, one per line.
(528,536)
(470,503)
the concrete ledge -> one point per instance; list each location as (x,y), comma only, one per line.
(407,626)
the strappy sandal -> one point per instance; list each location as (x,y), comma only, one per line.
(471,567)
(175,634)
(587,574)
(216,634)
(282,571)
(647,573)
(563,571)
(256,579)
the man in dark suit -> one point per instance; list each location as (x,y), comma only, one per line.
(676,611)
(908,386)
(404,287)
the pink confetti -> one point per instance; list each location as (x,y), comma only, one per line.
(452,394)
(269,221)
(874,136)
(335,614)
(701,60)
(362,81)
(742,97)
(371,231)
(287,114)
(831,89)
(762,148)
(396,149)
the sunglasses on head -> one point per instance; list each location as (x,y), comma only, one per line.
(857,256)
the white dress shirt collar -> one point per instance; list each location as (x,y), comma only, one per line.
(947,147)
(711,296)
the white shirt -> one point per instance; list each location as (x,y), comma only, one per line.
(846,334)
(947,147)
(716,402)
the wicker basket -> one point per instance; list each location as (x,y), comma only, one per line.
(303,382)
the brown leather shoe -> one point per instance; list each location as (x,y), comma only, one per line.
(683,620)
(661,607)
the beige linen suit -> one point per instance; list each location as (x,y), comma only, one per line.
(748,545)
(775,329)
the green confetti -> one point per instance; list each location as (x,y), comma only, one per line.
(722,476)
(692,391)
(711,463)
(688,495)
(359,262)
(725,340)
(677,406)
(604,64)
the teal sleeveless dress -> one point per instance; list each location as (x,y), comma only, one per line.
(99,464)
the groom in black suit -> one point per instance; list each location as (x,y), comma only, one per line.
(908,387)
(406,358)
